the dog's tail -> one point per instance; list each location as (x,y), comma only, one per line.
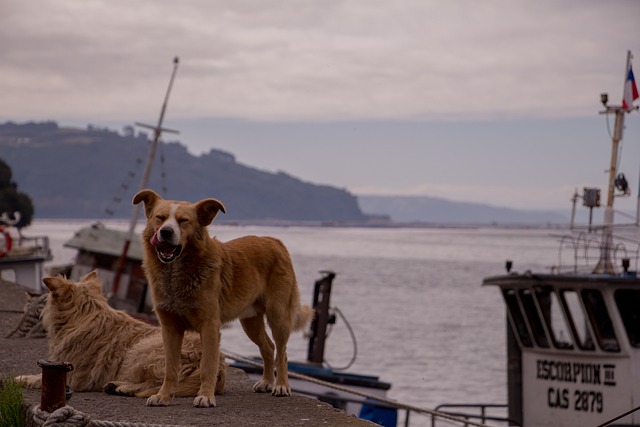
(302,317)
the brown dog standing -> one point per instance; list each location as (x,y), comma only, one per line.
(199,283)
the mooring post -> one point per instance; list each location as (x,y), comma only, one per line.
(54,384)
(322,318)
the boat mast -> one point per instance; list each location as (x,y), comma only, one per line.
(605,265)
(157,131)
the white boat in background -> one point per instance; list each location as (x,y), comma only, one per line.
(22,257)
(573,334)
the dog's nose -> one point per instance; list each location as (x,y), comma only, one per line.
(166,233)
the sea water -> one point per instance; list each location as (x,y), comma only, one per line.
(412,296)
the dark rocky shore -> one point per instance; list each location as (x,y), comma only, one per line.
(237,406)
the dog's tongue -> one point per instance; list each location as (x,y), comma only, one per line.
(161,245)
(154,239)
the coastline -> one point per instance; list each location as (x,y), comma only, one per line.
(337,224)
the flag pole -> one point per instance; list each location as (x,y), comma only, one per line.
(605,264)
(638,203)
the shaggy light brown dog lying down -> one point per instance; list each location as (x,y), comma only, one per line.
(109,349)
(199,283)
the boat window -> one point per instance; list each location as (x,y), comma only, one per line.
(577,319)
(628,301)
(600,320)
(517,319)
(105,262)
(530,310)
(556,322)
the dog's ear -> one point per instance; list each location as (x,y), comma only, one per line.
(207,210)
(91,276)
(93,281)
(149,197)
(54,284)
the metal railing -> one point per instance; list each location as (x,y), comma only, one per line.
(481,413)
(33,246)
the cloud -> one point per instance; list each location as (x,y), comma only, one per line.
(307,60)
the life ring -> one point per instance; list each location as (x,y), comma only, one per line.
(5,243)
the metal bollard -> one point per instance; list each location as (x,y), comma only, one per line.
(54,384)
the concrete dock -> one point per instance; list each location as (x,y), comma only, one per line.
(237,406)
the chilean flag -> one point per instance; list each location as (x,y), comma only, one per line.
(630,91)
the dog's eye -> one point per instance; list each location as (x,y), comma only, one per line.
(161,217)
(183,220)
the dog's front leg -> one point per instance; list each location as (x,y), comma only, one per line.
(172,340)
(210,339)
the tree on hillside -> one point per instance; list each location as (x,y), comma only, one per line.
(11,200)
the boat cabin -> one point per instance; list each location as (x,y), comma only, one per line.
(100,248)
(573,337)
(22,258)
(573,347)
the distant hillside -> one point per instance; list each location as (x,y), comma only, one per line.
(442,211)
(94,173)
(83,173)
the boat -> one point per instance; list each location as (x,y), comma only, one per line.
(573,333)
(99,248)
(22,257)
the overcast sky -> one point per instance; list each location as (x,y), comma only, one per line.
(492,101)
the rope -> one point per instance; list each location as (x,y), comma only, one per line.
(111,208)
(390,402)
(619,416)
(66,416)
(354,355)
(163,173)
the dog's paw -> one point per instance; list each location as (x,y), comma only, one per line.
(204,402)
(119,388)
(281,391)
(262,386)
(110,388)
(30,381)
(156,400)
